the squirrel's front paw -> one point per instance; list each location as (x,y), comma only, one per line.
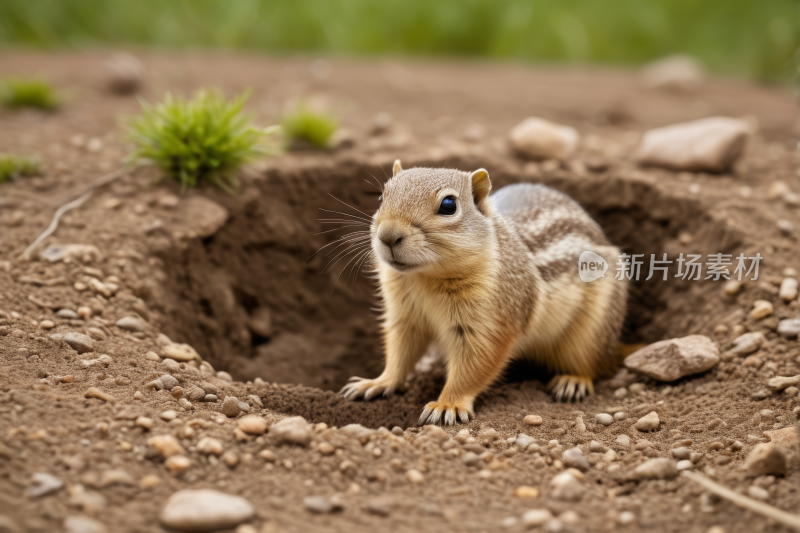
(446,413)
(368,388)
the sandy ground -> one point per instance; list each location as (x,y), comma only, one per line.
(241,290)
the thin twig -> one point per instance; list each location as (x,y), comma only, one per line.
(787,519)
(26,255)
(95,183)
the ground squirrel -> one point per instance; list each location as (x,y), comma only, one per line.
(489,279)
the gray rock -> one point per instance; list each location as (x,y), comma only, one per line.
(230,407)
(130,323)
(574,458)
(597,447)
(659,468)
(675,358)
(604,418)
(711,144)
(204,510)
(745,344)
(789,328)
(77,341)
(44,484)
(209,388)
(210,398)
(566,487)
(779,383)
(169,382)
(292,430)
(321,505)
(765,459)
(225,376)
(523,441)
(68,314)
(244,406)
(193,393)
(83,524)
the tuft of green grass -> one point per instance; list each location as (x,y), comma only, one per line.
(13,167)
(303,124)
(204,138)
(28,92)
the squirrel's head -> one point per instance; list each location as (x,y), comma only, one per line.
(434,221)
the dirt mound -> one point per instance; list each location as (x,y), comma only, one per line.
(237,278)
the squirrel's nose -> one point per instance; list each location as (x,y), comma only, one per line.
(390,236)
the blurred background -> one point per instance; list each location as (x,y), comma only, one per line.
(742,38)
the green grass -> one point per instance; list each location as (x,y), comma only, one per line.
(753,38)
(13,167)
(303,124)
(205,138)
(24,92)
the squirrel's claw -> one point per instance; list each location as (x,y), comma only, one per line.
(567,388)
(445,413)
(368,388)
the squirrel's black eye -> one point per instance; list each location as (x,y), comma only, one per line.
(380,198)
(448,206)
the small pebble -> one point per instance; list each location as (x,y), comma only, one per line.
(536,517)
(144,422)
(757,493)
(130,323)
(47,324)
(230,407)
(44,484)
(178,464)
(320,505)
(533,420)
(168,415)
(325,448)
(761,309)
(415,476)
(253,425)
(684,464)
(205,510)
(83,524)
(379,507)
(604,418)
(210,446)
(524,491)
(648,422)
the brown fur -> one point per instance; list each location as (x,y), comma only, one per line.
(496,280)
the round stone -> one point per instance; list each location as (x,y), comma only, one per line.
(533,420)
(204,510)
(180,352)
(604,418)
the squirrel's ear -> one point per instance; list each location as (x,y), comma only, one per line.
(396,168)
(481,186)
